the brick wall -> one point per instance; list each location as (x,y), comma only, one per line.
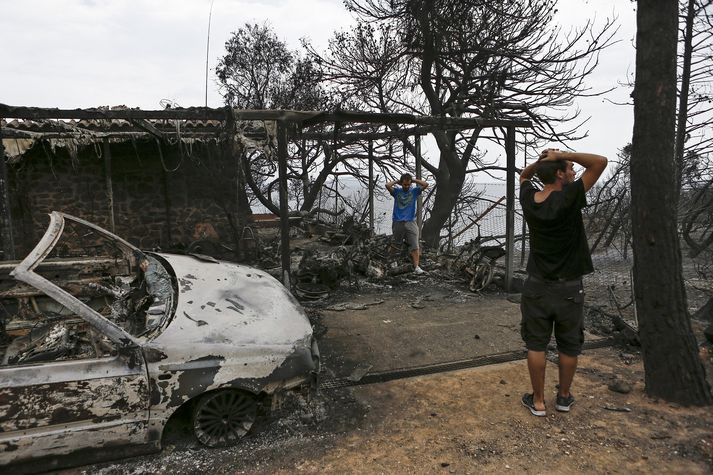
(153,208)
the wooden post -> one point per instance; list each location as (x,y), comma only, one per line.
(336,196)
(371,186)
(510,206)
(241,217)
(524,223)
(227,148)
(335,149)
(450,232)
(109,185)
(284,210)
(319,203)
(419,201)
(7,243)
(167,205)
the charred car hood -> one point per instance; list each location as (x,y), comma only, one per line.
(230,304)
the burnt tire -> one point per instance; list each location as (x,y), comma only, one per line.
(222,418)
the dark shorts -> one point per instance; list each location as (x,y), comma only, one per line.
(546,304)
(405,230)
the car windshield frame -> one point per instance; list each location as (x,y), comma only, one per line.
(24,272)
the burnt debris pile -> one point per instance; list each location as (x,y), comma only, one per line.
(326,256)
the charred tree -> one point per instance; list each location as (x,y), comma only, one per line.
(694,136)
(673,369)
(464,58)
(258,71)
(695,75)
(684,90)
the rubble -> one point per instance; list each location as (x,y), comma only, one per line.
(325,255)
(619,386)
(340,307)
(359,372)
(329,255)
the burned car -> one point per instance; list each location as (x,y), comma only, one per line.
(100,346)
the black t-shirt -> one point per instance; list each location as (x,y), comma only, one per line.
(558,243)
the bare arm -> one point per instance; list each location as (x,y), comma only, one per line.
(390,186)
(594,165)
(423,184)
(528,172)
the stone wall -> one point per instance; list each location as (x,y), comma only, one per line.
(156,205)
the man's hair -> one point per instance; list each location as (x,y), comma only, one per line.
(547,171)
(406,176)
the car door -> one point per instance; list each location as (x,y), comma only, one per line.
(57,407)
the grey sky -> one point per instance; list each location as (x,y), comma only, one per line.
(86,53)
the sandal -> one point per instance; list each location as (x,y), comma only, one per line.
(529,402)
(564,403)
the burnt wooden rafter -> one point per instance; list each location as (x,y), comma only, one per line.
(191,113)
(301,118)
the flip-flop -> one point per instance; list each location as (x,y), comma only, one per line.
(529,402)
(564,403)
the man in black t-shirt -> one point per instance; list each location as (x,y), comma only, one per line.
(559,257)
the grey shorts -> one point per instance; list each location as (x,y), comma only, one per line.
(547,304)
(407,230)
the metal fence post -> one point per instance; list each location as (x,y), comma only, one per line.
(284,210)
(371,186)
(419,208)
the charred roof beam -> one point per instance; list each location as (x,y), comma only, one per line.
(148,127)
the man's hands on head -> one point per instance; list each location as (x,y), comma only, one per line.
(550,155)
(594,165)
(422,183)
(390,185)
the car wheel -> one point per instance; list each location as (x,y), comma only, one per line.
(223,417)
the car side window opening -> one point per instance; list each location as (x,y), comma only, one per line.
(35,328)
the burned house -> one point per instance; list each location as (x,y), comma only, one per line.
(162,184)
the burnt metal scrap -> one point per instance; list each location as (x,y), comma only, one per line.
(114,343)
(48,342)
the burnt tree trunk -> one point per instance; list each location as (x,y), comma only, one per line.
(673,369)
(450,174)
(683,96)
(450,177)
(331,160)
